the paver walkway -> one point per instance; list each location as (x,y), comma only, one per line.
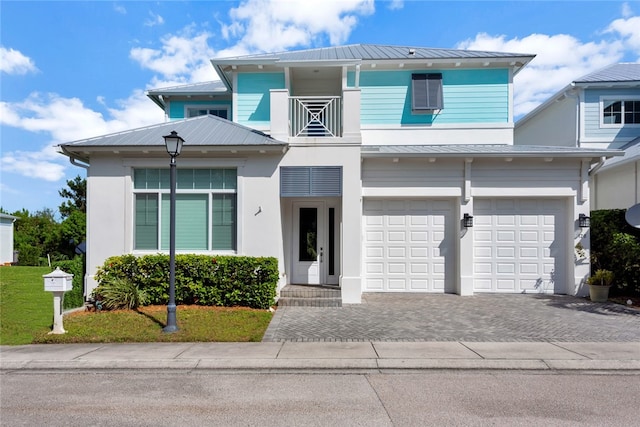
(488,318)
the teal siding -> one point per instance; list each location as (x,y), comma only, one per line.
(253,105)
(592,127)
(470,96)
(177,108)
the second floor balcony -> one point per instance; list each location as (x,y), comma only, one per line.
(304,119)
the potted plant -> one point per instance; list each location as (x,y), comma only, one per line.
(599,284)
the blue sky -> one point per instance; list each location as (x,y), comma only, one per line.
(73,70)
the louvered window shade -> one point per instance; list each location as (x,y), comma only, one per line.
(426,90)
(311,181)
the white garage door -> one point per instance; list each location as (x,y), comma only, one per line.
(409,245)
(519,245)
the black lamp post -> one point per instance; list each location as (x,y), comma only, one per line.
(173,142)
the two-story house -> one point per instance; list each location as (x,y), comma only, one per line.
(366,167)
(599,110)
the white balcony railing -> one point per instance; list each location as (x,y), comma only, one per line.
(315,116)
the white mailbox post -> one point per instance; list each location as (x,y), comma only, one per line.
(58,282)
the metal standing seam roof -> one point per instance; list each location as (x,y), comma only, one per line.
(206,130)
(204,88)
(484,150)
(631,154)
(615,73)
(373,52)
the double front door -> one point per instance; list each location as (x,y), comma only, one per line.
(315,243)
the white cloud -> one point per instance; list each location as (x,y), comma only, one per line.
(559,60)
(153,20)
(179,54)
(35,164)
(120,9)
(14,62)
(270,26)
(395,4)
(629,31)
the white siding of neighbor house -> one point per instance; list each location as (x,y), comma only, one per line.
(556,125)
(6,239)
(616,188)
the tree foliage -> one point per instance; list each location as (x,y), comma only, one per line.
(76,195)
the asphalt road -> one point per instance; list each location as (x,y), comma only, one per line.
(439,398)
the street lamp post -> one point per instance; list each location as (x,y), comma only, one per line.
(173,142)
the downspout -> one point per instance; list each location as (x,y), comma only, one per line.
(73,159)
(597,167)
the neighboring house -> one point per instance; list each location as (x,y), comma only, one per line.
(6,238)
(355,166)
(599,110)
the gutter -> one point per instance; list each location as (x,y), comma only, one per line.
(74,159)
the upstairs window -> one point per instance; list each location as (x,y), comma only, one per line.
(222,112)
(426,92)
(616,112)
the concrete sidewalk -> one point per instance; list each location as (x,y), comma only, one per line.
(326,356)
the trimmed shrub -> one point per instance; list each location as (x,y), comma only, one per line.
(615,246)
(200,279)
(75,297)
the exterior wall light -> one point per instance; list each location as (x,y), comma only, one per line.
(467,221)
(173,142)
(584,221)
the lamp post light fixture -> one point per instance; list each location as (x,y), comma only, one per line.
(173,142)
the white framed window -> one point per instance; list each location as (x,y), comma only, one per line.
(202,110)
(620,111)
(206,209)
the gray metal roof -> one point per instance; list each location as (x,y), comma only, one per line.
(631,154)
(363,52)
(623,72)
(205,88)
(197,131)
(483,150)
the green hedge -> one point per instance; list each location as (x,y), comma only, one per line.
(75,297)
(615,246)
(205,280)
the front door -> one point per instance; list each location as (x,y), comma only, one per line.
(309,243)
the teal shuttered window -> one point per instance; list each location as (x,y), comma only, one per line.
(206,214)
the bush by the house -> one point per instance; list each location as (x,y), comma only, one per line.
(74,298)
(205,280)
(119,293)
(615,246)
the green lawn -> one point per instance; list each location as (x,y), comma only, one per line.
(26,316)
(26,309)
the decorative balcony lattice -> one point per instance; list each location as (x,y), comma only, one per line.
(315,116)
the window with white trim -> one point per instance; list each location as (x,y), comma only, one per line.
(206,209)
(221,111)
(620,112)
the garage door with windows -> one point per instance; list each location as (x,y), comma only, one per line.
(519,245)
(409,245)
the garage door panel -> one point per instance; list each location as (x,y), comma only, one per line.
(517,245)
(415,237)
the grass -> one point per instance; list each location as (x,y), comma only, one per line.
(25,307)
(26,316)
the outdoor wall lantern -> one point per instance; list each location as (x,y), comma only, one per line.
(467,221)
(584,221)
(173,142)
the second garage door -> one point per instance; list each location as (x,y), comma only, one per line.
(519,245)
(409,245)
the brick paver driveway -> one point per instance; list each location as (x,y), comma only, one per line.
(420,317)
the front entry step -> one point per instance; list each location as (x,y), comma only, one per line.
(310,296)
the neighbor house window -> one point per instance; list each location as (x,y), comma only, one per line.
(618,112)
(203,111)
(426,92)
(205,209)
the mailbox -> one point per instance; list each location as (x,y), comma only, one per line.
(58,281)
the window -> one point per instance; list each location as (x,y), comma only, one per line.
(620,112)
(426,91)
(206,209)
(203,111)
